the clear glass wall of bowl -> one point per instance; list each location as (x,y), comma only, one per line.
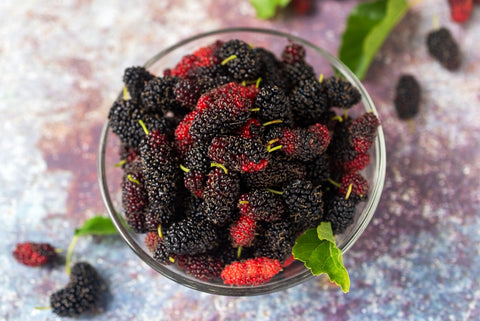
(324,63)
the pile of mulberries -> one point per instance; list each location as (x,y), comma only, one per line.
(233,153)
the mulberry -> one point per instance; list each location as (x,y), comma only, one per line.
(123,119)
(134,197)
(135,79)
(340,92)
(221,193)
(160,173)
(407,97)
(80,295)
(273,104)
(34,254)
(240,60)
(340,212)
(304,204)
(264,205)
(158,96)
(242,232)
(303,144)
(239,154)
(202,266)
(276,241)
(279,171)
(444,48)
(253,271)
(191,235)
(307,102)
(292,53)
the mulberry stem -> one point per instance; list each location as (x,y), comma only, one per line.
(143,126)
(219,165)
(334,183)
(226,60)
(68,257)
(349,191)
(133,180)
(159,231)
(276,121)
(126,94)
(274,191)
(320,78)
(121,163)
(183,168)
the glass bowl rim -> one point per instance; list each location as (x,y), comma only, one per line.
(370,207)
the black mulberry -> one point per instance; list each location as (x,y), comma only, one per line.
(407,97)
(80,295)
(444,48)
(304,204)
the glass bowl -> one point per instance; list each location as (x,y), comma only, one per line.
(296,273)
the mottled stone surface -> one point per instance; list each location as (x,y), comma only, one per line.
(61,68)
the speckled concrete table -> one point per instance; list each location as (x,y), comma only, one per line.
(61,69)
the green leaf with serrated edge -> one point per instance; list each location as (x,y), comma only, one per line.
(266,9)
(97,225)
(317,249)
(367,27)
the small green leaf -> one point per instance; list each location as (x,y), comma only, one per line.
(368,25)
(266,9)
(97,225)
(317,249)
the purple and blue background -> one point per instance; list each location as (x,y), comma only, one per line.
(61,67)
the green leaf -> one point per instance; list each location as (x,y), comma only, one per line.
(324,232)
(368,25)
(266,9)
(317,249)
(305,244)
(97,225)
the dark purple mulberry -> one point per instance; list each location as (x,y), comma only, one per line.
(304,204)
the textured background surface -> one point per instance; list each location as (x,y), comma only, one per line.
(61,69)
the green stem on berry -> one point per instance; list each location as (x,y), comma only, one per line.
(274,191)
(171,259)
(219,165)
(269,145)
(121,163)
(334,183)
(239,252)
(339,118)
(243,202)
(43,308)
(345,113)
(257,83)
(411,126)
(126,94)
(183,168)
(255,109)
(133,180)
(68,257)
(320,78)
(271,122)
(226,60)
(349,191)
(159,231)
(144,127)
(272,149)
